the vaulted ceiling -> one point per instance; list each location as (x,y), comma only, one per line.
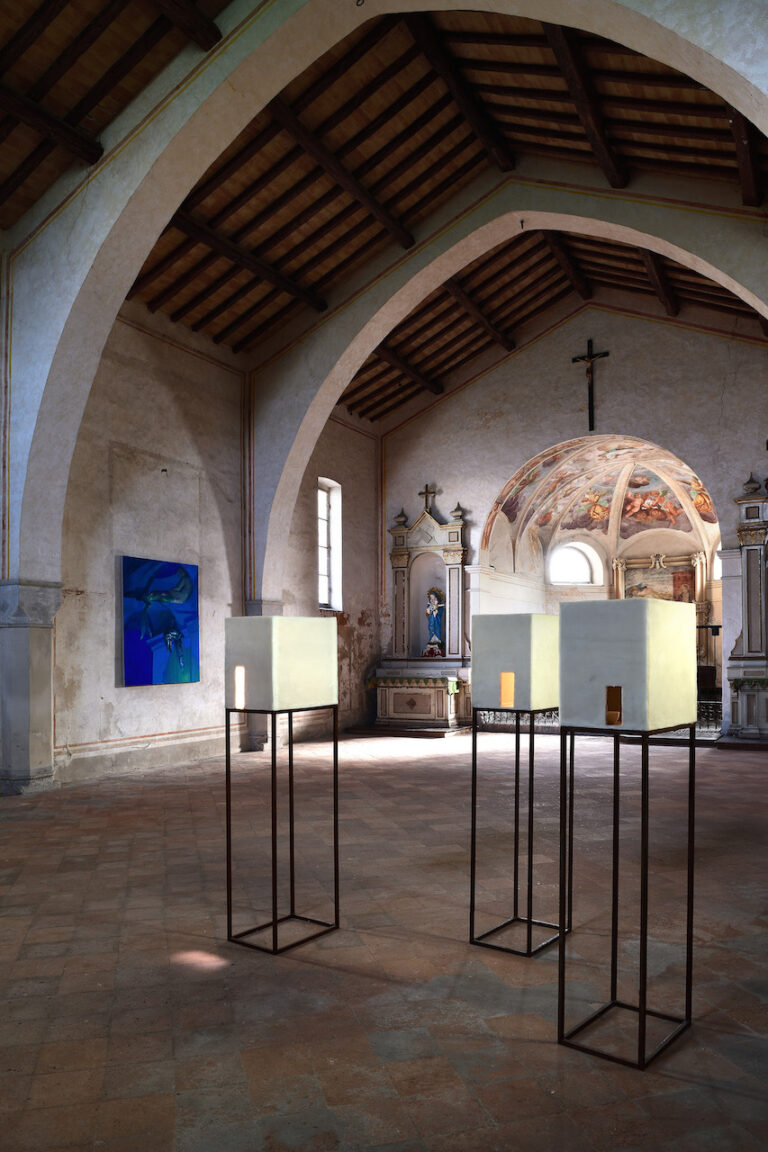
(358,152)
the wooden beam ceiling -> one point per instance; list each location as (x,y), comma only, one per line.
(80,144)
(745,138)
(660,284)
(428,39)
(360,152)
(312,145)
(563,43)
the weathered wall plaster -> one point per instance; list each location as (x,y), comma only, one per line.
(156,473)
(349,457)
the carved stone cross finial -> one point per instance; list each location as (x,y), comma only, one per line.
(429,494)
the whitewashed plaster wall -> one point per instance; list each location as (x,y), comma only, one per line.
(156,473)
(700,395)
(349,457)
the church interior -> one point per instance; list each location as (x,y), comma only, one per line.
(395,314)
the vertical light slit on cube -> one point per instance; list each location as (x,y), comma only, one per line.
(613,704)
(506,689)
(239,686)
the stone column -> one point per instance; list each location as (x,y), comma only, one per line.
(26,684)
(699,561)
(619,576)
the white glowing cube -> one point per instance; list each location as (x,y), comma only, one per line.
(277,663)
(515,662)
(627,664)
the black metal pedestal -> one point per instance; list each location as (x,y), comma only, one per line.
(485,939)
(638,1011)
(272,926)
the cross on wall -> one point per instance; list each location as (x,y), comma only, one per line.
(429,492)
(589,359)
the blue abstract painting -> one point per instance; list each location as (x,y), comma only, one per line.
(161,626)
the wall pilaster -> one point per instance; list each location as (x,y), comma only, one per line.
(26,684)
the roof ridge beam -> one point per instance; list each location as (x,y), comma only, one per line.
(288,120)
(565,49)
(429,42)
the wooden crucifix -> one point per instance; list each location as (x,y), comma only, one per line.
(429,493)
(589,360)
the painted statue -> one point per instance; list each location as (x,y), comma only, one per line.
(434,613)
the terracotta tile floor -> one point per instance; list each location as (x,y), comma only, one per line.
(127,1023)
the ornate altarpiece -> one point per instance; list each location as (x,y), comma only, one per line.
(413,689)
(748,663)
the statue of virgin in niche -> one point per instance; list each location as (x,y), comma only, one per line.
(434,614)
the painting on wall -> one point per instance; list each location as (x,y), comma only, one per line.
(661,584)
(650,503)
(161,627)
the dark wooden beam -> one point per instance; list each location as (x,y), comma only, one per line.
(64,135)
(400,397)
(66,59)
(494,39)
(388,114)
(747,156)
(763,322)
(328,162)
(659,281)
(563,44)
(195,26)
(559,250)
(395,360)
(111,78)
(372,38)
(196,230)
(221,175)
(268,326)
(364,92)
(472,310)
(414,158)
(451,181)
(428,40)
(25,37)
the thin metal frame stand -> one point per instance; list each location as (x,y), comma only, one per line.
(681,1023)
(276,920)
(484,939)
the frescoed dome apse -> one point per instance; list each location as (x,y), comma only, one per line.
(609,490)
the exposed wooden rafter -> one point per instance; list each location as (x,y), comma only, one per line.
(195,26)
(658,278)
(563,44)
(428,39)
(288,120)
(479,317)
(364,147)
(558,248)
(200,232)
(60,133)
(29,32)
(395,360)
